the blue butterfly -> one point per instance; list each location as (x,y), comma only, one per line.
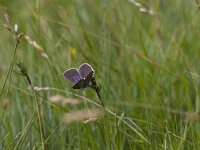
(80,77)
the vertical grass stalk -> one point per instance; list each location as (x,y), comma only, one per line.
(24,72)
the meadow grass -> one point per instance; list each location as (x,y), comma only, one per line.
(146,59)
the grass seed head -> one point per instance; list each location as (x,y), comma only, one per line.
(36,46)
(24,71)
(84,116)
(58,99)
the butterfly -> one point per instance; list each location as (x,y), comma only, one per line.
(80,77)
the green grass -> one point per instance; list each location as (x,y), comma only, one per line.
(148,67)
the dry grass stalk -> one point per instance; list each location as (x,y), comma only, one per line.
(6,103)
(63,101)
(90,120)
(192,116)
(142,8)
(41,88)
(84,116)
(36,46)
(2,9)
(16,28)
(153,14)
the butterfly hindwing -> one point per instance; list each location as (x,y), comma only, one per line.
(88,79)
(79,84)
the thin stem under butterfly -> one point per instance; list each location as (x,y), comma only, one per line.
(97,89)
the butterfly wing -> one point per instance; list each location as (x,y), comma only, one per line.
(88,79)
(79,84)
(85,69)
(72,75)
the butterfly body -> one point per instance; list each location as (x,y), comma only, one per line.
(83,82)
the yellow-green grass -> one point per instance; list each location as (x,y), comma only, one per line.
(147,65)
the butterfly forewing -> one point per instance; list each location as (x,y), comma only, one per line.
(85,69)
(72,75)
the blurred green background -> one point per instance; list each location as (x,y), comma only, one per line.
(146,58)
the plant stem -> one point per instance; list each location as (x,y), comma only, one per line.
(38,108)
(28,126)
(10,69)
(24,73)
